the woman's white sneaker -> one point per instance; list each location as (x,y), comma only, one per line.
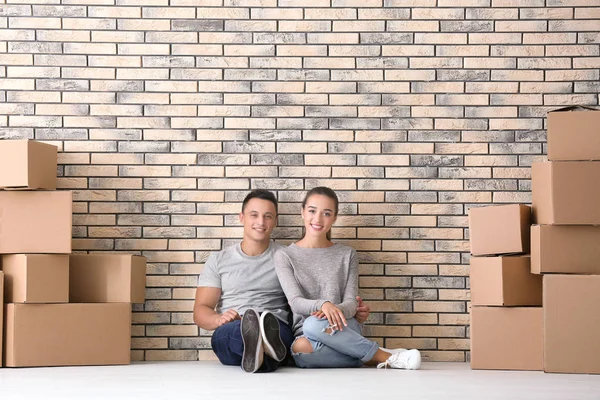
(408,359)
(392,351)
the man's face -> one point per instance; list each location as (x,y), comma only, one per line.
(259,218)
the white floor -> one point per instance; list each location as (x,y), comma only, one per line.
(210,380)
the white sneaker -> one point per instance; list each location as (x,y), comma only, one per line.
(407,359)
(392,351)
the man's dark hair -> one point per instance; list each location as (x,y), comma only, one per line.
(260,194)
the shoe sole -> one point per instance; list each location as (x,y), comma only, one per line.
(250,329)
(269,328)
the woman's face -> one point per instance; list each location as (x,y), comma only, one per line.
(318,215)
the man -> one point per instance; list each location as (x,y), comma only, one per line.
(251,319)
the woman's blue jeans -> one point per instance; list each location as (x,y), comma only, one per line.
(342,349)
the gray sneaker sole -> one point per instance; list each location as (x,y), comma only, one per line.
(269,326)
(250,329)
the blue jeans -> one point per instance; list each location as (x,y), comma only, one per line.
(344,349)
(227,344)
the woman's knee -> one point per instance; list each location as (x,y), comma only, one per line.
(313,326)
(302,345)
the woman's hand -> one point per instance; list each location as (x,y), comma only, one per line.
(334,315)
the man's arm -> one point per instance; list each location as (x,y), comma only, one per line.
(205,315)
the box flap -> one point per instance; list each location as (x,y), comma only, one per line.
(138,279)
(525,211)
(536,255)
(42,165)
(13,163)
(9,331)
(575,107)
(1,317)
(541,192)
(107,278)
(520,286)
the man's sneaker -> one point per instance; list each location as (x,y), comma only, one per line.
(269,329)
(409,359)
(253,350)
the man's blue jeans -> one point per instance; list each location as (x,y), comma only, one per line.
(227,344)
(343,349)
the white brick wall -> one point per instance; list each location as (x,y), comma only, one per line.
(167,113)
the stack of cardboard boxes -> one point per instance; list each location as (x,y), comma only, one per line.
(562,336)
(60,308)
(506,298)
(565,242)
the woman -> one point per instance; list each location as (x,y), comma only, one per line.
(320,281)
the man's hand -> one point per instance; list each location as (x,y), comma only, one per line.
(204,308)
(227,317)
(362,311)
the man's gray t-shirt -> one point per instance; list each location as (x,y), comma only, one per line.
(245,281)
(312,276)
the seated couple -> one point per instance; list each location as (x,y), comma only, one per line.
(250,285)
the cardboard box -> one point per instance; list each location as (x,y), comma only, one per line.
(35,222)
(574,134)
(572,324)
(565,193)
(105,278)
(504,281)
(1,316)
(565,249)
(27,164)
(507,338)
(36,278)
(44,335)
(499,229)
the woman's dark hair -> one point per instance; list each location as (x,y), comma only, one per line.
(325,191)
(260,194)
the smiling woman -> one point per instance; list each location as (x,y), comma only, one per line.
(320,214)
(320,281)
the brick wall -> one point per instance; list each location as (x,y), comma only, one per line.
(167,112)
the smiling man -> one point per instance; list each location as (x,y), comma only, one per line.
(239,295)
(250,320)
